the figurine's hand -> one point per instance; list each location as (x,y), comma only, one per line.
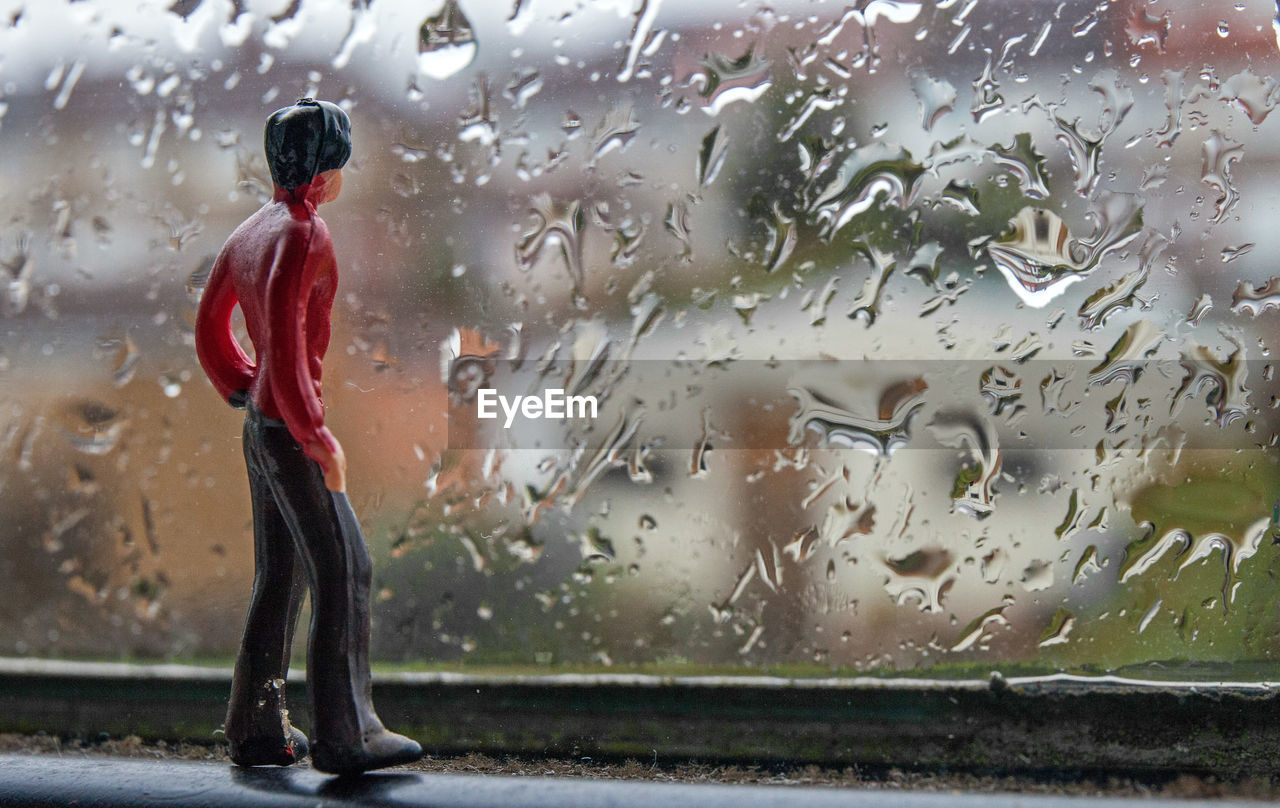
(335,479)
(334,463)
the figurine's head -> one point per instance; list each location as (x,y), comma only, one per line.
(305,140)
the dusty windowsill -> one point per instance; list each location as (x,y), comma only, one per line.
(1058,783)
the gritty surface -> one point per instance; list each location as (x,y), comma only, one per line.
(1171,785)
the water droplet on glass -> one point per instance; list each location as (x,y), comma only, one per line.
(1039,257)
(1218,517)
(1230,254)
(923,576)
(937,97)
(978,632)
(1219,153)
(873,173)
(1145,29)
(724,80)
(1226,381)
(93,427)
(1254,94)
(711,156)
(615,130)
(525,84)
(560,224)
(986,96)
(1254,299)
(642,37)
(879,429)
(1059,628)
(973,492)
(1111,299)
(1026,164)
(446,42)
(1087,564)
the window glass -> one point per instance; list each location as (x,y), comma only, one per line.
(887,336)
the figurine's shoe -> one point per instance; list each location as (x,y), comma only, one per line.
(382,750)
(270,751)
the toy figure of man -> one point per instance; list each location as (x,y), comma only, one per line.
(279,266)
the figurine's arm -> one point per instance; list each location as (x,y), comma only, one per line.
(301,254)
(223,360)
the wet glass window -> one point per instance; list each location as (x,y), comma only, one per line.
(811,337)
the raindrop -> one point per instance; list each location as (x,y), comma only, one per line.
(924,576)
(1201,307)
(1219,153)
(446,42)
(724,80)
(640,37)
(1253,94)
(1126,358)
(937,97)
(746,305)
(817,99)
(1040,38)
(646,314)
(1150,615)
(1275,25)
(1144,29)
(986,96)
(676,223)
(595,548)
(711,156)
(93,427)
(525,84)
(976,633)
(866,304)
(560,224)
(1002,390)
(973,490)
(1173,95)
(1110,299)
(1026,164)
(615,131)
(1254,299)
(124,356)
(1084,152)
(1240,543)
(873,173)
(1087,564)
(1072,521)
(883,431)
(1230,254)
(1059,628)
(1040,259)
(1038,576)
(477,122)
(781,234)
(1226,379)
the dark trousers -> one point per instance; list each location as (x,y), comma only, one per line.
(304,536)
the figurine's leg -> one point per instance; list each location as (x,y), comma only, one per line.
(258,727)
(347,734)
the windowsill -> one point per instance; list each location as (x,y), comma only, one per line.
(1061,722)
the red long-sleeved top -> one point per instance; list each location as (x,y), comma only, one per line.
(279,266)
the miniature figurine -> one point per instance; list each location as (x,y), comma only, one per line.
(279,266)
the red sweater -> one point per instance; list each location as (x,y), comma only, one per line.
(279,266)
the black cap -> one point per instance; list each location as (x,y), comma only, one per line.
(306,139)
